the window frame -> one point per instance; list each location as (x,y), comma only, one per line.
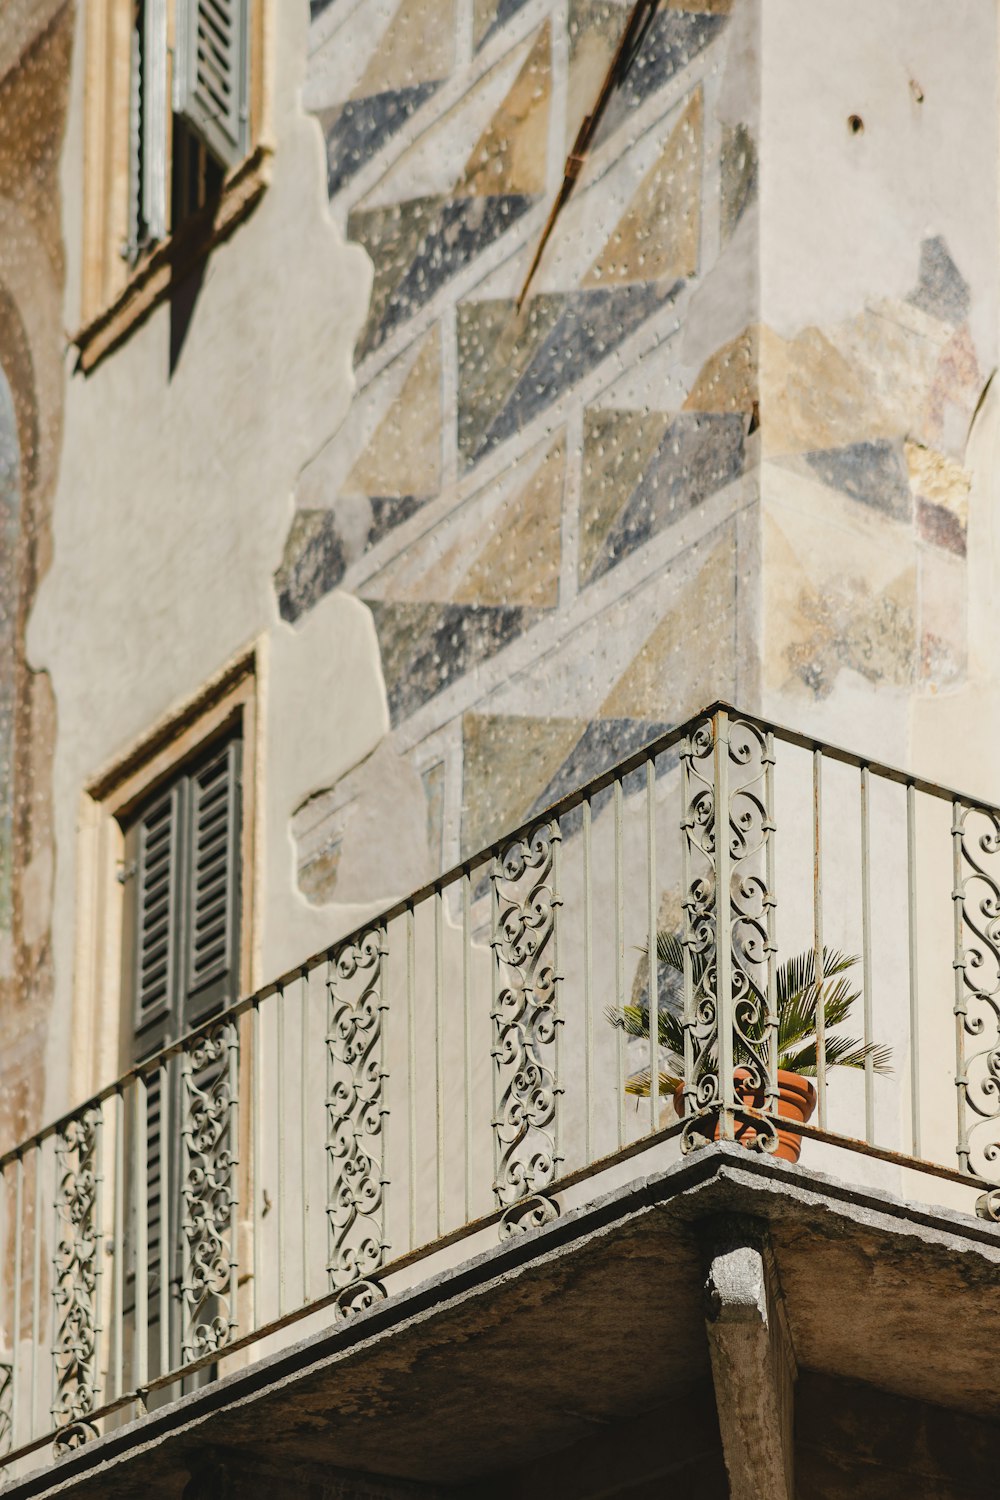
(102,1025)
(117,291)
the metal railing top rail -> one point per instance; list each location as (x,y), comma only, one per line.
(556,809)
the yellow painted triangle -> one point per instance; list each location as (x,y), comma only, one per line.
(510,155)
(520,562)
(418,46)
(403,455)
(659,232)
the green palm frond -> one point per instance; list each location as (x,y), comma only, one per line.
(638,1083)
(802,995)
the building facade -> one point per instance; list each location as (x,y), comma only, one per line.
(457,459)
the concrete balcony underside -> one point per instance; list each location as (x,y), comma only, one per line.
(573,1360)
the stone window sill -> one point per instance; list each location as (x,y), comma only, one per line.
(168,264)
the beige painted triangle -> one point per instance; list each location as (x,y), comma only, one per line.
(418,46)
(659,232)
(403,455)
(665,670)
(520,562)
(507,762)
(509,156)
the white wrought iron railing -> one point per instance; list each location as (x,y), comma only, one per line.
(476,1055)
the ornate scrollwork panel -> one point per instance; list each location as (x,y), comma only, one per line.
(977,992)
(746,926)
(209,1191)
(750,907)
(6,1395)
(357,1298)
(76,1275)
(355,1112)
(701,1019)
(528,1213)
(525,1017)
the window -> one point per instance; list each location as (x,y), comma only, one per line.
(182,906)
(180,961)
(165,942)
(175,150)
(181,148)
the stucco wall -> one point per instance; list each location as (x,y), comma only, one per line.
(173,499)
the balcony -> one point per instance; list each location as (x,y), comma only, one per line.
(458,1093)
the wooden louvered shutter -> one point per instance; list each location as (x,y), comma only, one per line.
(153,863)
(182,951)
(211,978)
(212,87)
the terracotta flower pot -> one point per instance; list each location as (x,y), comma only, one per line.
(796,1101)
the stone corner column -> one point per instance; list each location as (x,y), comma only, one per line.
(753,1361)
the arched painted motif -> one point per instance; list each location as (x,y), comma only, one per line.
(10,530)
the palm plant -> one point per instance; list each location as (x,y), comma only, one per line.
(801,996)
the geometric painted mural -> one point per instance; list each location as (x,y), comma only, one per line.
(536,499)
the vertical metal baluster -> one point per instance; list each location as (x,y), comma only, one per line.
(257,1179)
(723,927)
(118,1309)
(654,976)
(411,1069)
(497,985)
(866,950)
(383,1049)
(438,899)
(958,816)
(282,1268)
(56,1239)
(770,879)
(818,932)
(559,1087)
(166,1244)
(233,1062)
(140,1375)
(304,987)
(98,1245)
(15,1397)
(690,1090)
(588,999)
(467,1030)
(36,1287)
(619,897)
(911,918)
